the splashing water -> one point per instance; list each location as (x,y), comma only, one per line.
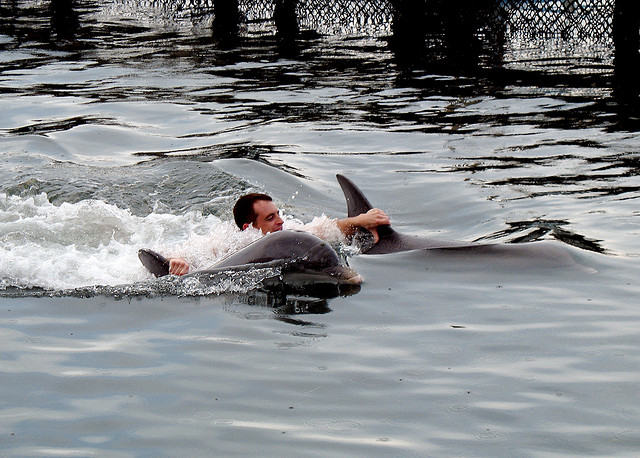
(92,242)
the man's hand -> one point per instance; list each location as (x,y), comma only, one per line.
(372,219)
(369,221)
(178,266)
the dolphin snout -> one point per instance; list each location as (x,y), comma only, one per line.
(345,274)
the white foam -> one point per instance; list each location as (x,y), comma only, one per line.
(95,243)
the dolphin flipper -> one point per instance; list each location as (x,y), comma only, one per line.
(155,263)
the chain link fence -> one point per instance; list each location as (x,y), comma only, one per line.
(555,18)
(522,18)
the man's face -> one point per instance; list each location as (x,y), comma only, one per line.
(267,216)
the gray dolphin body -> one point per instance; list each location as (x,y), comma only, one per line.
(293,251)
(301,257)
(540,253)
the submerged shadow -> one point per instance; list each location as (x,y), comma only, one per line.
(293,297)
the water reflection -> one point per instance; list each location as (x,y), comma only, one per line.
(65,20)
(539,228)
(56,24)
(129,42)
(286,308)
(286,302)
(587,176)
(226,23)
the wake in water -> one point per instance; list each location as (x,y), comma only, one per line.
(80,245)
(90,247)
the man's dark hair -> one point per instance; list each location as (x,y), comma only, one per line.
(243,209)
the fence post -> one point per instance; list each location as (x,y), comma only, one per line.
(409,29)
(625,33)
(226,21)
(285,18)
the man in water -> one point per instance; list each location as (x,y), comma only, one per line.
(259,211)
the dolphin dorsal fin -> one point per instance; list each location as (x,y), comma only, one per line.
(357,203)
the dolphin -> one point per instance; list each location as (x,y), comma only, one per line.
(541,252)
(302,259)
(389,241)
